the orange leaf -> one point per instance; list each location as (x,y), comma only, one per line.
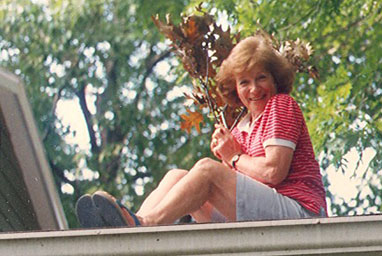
(193,119)
(191,30)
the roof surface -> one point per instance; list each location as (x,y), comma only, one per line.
(28,196)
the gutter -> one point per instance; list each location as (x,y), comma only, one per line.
(359,235)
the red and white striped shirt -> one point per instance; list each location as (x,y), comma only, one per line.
(282,123)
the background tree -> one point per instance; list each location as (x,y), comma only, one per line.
(342,107)
(108,56)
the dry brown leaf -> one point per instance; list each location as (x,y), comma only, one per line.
(190,120)
(202,45)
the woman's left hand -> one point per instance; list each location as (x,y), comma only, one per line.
(223,145)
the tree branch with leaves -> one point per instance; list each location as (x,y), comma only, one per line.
(202,46)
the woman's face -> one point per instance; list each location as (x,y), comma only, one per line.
(255,88)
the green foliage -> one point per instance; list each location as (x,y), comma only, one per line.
(109,57)
(343,107)
(105,54)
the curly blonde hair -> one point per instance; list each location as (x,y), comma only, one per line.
(243,58)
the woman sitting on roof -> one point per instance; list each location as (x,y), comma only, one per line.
(267,167)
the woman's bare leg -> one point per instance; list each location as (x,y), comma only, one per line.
(168,181)
(208,180)
(203,214)
(208,213)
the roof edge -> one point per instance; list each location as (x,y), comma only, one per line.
(359,235)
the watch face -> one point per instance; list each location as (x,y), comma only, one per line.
(234,160)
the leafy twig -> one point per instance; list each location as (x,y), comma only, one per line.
(238,118)
(202,46)
(210,102)
(195,38)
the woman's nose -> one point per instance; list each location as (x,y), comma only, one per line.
(254,87)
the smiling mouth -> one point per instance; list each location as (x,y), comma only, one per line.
(257,98)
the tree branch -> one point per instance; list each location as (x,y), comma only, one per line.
(87,115)
(56,98)
(150,64)
(60,173)
(308,14)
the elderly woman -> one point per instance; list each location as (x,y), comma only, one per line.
(267,167)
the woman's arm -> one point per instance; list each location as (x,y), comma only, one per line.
(271,169)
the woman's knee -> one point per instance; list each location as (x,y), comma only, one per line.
(206,166)
(172,177)
(175,174)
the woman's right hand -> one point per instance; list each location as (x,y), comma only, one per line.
(223,145)
(214,145)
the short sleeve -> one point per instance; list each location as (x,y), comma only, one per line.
(283,122)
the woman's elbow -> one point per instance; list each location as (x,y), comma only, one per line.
(276,175)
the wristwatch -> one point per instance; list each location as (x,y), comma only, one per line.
(234,160)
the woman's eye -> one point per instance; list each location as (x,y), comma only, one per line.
(261,77)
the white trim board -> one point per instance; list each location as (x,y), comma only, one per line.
(30,153)
(360,235)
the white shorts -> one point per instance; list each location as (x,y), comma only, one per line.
(256,201)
